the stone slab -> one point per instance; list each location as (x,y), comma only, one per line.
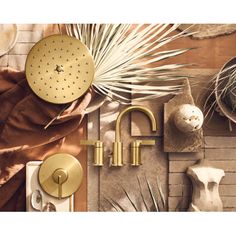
(174,140)
(112,178)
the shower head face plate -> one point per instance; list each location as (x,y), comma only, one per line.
(59,69)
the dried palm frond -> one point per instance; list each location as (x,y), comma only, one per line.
(125,58)
(149,199)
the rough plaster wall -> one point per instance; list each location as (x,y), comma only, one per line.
(111,179)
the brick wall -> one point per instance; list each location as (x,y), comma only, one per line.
(28,34)
(221,152)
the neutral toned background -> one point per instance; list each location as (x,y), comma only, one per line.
(220,146)
(208,57)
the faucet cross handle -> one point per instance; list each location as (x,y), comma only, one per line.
(136,150)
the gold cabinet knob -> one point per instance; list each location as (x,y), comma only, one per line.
(98,152)
(136,150)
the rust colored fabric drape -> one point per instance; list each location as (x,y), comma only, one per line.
(23,138)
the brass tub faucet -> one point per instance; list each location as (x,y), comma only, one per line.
(117,159)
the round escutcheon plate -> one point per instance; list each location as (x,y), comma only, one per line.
(65,163)
(59,69)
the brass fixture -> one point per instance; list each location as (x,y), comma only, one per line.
(117,145)
(136,150)
(98,150)
(59,69)
(60,175)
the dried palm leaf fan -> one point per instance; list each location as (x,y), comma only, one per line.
(125,58)
(59,69)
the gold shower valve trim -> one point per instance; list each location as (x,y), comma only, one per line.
(60,175)
(59,69)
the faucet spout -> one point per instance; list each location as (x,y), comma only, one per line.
(129,109)
(117,145)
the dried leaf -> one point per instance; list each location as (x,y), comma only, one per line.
(161,192)
(141,193)
(124,55)
(115,206)
(129,198)
(152,195)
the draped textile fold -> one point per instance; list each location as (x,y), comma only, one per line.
(23,138)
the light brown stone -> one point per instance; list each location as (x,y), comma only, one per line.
(178,179)
(175,156)
(175,140)
(179,190)
(180,166)
(220,142)
(221,154)
(178,202)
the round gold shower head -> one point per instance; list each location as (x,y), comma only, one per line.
(59,69)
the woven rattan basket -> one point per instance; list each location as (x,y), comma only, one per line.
(225,108)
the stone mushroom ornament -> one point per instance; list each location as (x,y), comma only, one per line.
(188,118)
(205,181)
